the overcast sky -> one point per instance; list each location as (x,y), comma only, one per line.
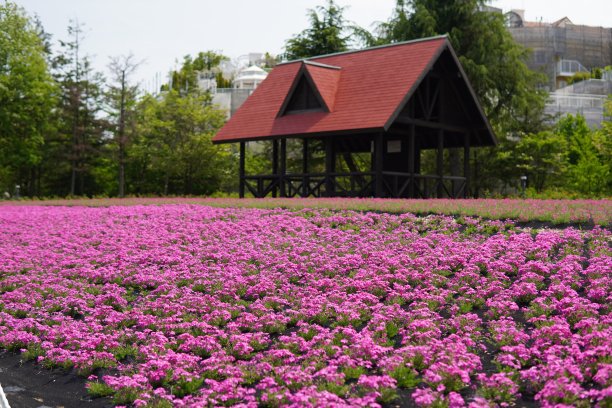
(163,31)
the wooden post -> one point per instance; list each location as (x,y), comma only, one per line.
(378,165)
(411,160)
(275,165)
(440,163)
(305,178)
(330,166)
(241,170)
(283,167)
(466,164)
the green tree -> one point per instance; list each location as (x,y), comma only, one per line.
(540,156)
(121,99)
(172,152)
(185,80)
(604,139)
(27,98)
(75,153)
(329,32)
(588,163)
(270,61)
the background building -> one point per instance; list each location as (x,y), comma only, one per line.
(243,73)
(561,50)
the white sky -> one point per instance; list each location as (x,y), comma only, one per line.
(160,32)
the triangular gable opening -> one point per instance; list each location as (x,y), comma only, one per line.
(443,95)
(303,96)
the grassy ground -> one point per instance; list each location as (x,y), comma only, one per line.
(529,210)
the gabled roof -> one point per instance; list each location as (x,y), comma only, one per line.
(363,91)
(326,79)
(562,22)
(313,81)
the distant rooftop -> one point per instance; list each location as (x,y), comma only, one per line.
(515,18)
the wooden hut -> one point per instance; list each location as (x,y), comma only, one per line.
(390,103)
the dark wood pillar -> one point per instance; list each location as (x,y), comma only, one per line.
(305,178)
(275,166)
(411,160)
(241,170)
(283,167)
(454,164)
(440,163)
(466,164)
(330,166)
(378,165)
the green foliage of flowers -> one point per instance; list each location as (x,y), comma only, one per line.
(99,389)
(406,377)
(187,387)
(353,373)
(125,396)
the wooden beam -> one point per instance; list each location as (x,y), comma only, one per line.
(432,100)
(440,163)
(419,96)
(304,155)
(283,166)
(274,163)
(454,90)
(241,170)
(305,179)
(466,164)
(411,160)
(330,166)
(378,165)
(404,120)
(427,95)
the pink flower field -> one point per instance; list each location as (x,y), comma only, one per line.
(190,305)
(558,212)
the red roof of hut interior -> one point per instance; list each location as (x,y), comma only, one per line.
(360,91)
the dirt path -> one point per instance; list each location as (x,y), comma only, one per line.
(28,385)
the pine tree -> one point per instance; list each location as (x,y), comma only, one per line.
(329,32)
(80,139)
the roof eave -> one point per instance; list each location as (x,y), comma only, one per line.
(301,135)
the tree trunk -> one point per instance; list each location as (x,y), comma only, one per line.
(122,138)
(166,181)
(454,170)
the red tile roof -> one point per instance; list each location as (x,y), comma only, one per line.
(363,94)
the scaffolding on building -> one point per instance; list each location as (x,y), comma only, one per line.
(562,49)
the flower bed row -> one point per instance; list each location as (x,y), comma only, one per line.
(185,305)
(558,212)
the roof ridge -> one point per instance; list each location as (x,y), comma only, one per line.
(417,40)
(318,64)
